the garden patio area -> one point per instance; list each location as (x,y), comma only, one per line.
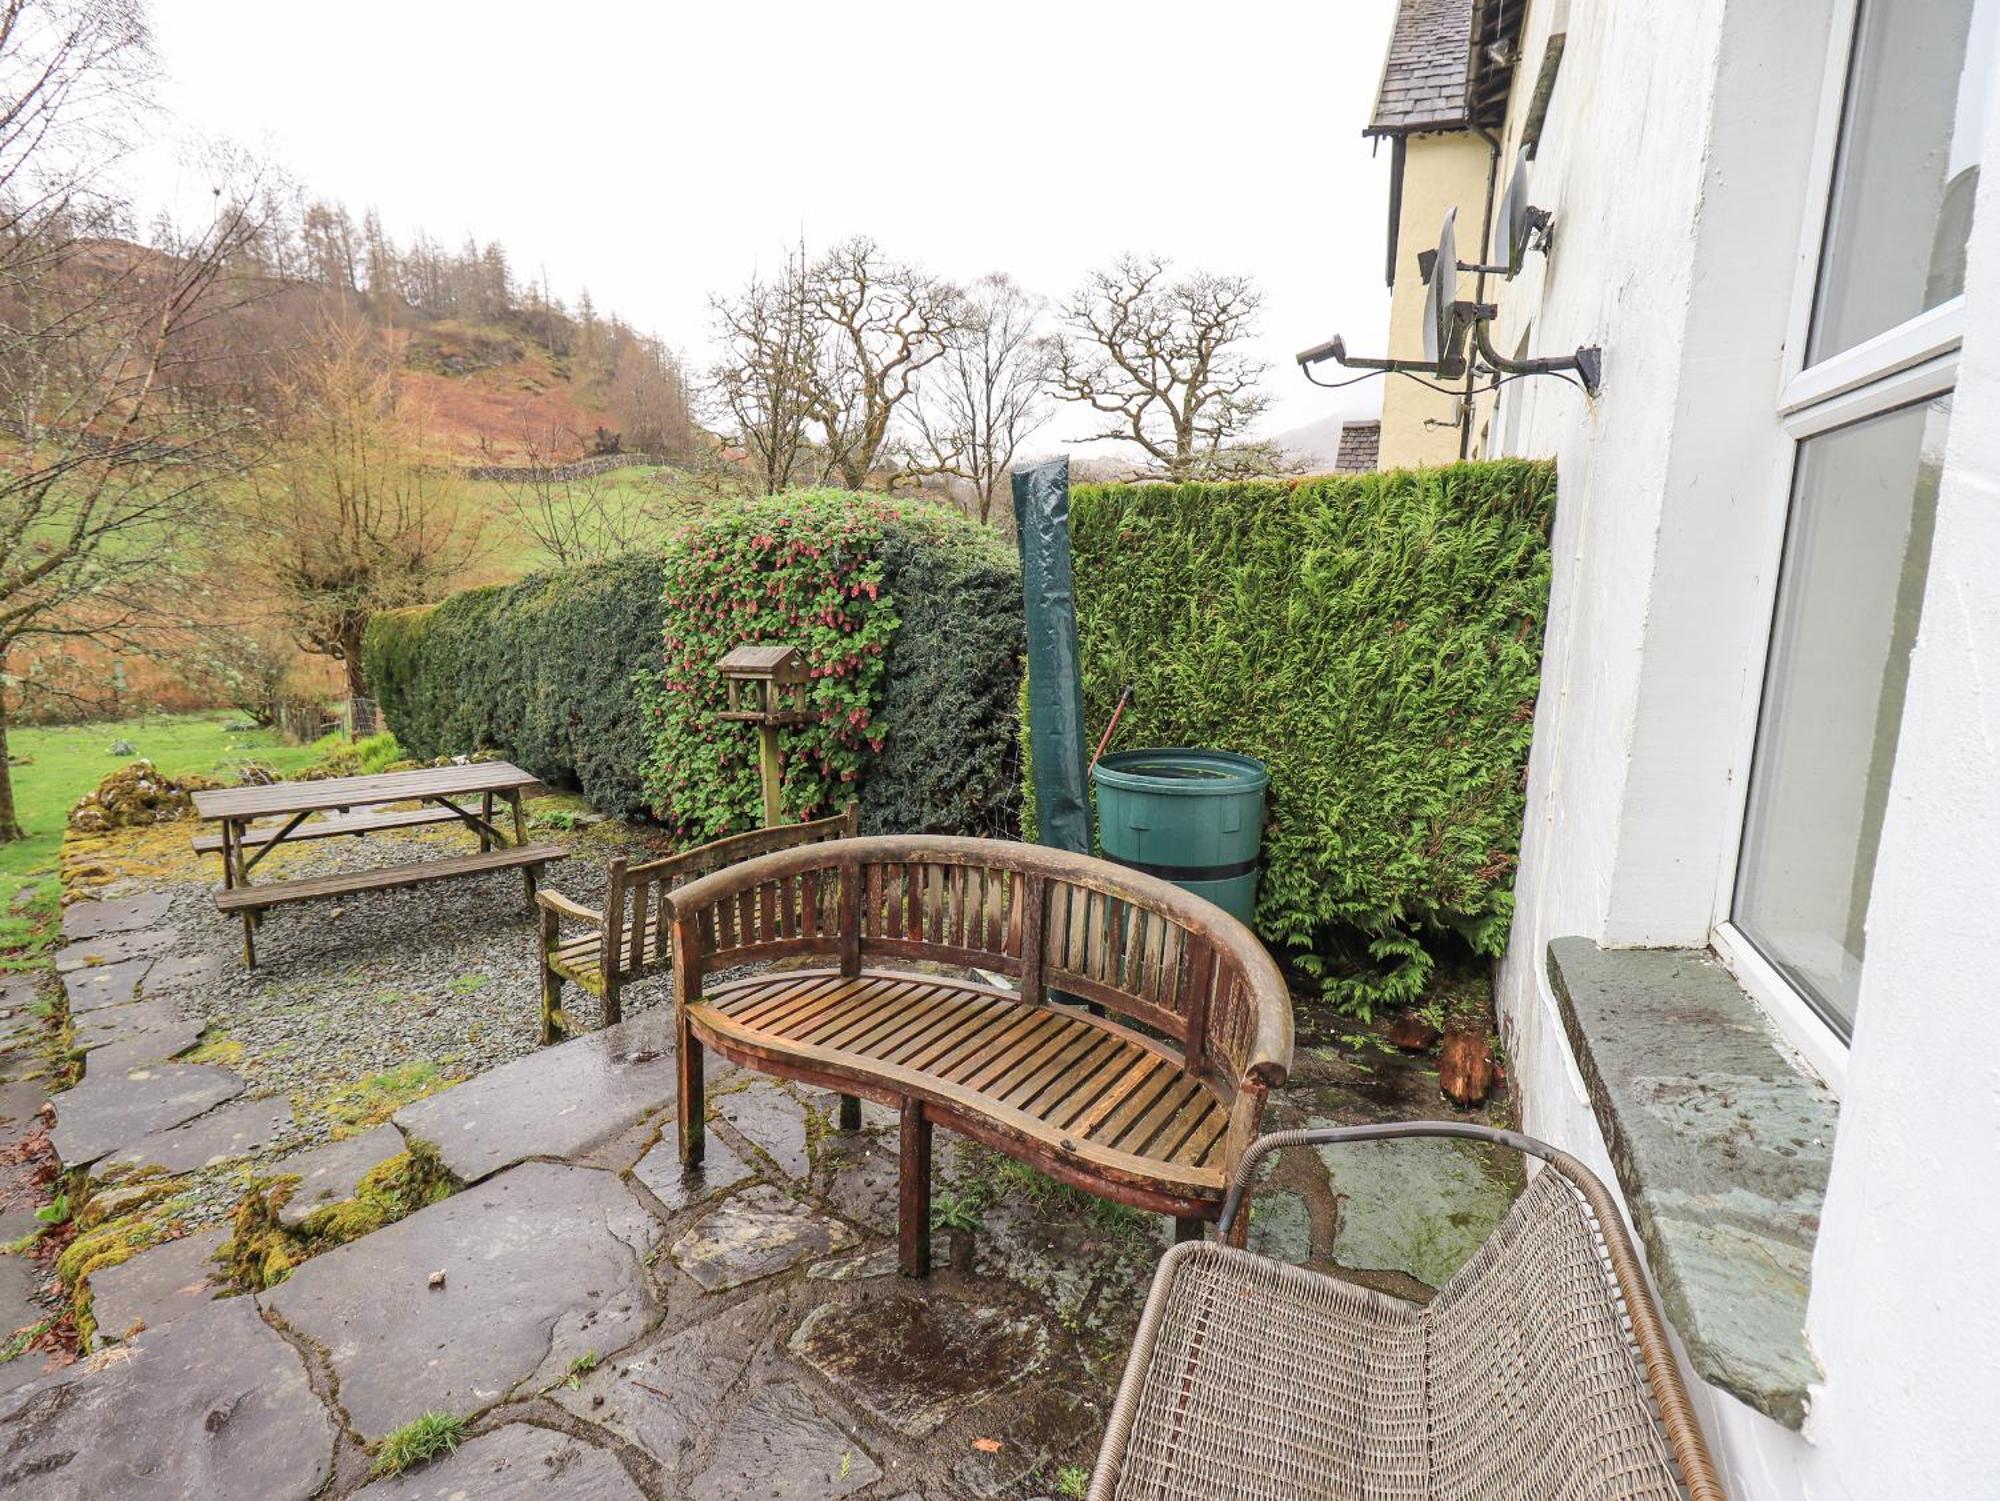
(542,1283)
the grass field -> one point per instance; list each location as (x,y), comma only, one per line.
(56,764)
(642,503)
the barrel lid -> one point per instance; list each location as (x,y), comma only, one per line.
(1165,771)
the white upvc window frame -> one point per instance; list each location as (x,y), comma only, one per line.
(1914,361)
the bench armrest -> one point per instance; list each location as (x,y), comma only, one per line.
(562,906)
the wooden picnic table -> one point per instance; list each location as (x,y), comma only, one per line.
(443,793)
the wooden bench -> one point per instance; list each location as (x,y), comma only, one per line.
(633,926)
(253,899)
(353,824)
(1150,1104)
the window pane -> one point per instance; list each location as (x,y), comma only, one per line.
(1856,552)
(1908,166)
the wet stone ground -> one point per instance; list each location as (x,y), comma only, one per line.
(611,1327)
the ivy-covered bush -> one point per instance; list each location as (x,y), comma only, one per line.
(546,670)
(910,617)
(1376,641)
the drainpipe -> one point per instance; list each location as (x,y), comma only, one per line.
(1479,281)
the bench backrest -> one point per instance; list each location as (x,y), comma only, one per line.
(1153,954)
(637,919)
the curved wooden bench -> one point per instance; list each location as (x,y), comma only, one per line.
(1151,1103)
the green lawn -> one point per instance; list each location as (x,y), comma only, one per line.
(55,765)
(645,500)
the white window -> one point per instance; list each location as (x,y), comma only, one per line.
(1878,316)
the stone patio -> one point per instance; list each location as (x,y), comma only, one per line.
(611,1327)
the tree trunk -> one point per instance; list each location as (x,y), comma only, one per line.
(350,658)
(10,825)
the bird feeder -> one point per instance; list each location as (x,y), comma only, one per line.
(767,688)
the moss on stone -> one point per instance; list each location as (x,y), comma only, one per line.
(262,1251)
(109,1244)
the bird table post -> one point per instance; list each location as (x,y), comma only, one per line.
(780,677)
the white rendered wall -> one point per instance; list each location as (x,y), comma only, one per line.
(1674,158)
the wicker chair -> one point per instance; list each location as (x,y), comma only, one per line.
(1540,1371)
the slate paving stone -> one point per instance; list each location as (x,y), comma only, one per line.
(553,1103)
(913,1362)
(1055,1429)
(232,1131)
(114,948)
(777,1447)
(137,1048)
(327,1175)
(101,1028)
(102,1115)
(517,1463)
(20,1281)
(881,1262)
(17,991)
(156,1287)
(660,1171)
(91,919)
(214,1405)
(104,985)
(774,1120)
(175,972)
(542,1264)
(21,1102)
(756,1233)
(664,1397)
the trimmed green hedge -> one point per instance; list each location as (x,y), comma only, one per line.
(1376,641)
(545,669)
(602,677)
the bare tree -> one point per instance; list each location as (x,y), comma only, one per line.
(353,512)
(881,322)
(1162,360)
(573,512)
(763,383)
(989,393)
(116,427)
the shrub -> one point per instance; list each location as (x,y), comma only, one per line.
(1375,640)
(950,758)
(604,676)
(545,670)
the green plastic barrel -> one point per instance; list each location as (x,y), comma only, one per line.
(1193,817)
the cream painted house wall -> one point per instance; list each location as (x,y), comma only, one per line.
(1440,172)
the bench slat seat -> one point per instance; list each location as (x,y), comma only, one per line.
(388,878)
(332,828)
(1080,1085)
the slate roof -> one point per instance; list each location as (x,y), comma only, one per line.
(1360,447)
(1424,76)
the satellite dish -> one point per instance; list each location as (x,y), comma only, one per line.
(1518,221)
(1444,329)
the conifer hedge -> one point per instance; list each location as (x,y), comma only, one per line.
(1376,641)
(546,670)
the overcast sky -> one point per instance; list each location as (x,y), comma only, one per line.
(659,153)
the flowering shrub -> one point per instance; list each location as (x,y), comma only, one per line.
(801,570)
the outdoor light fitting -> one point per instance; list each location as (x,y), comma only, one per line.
(1449,323)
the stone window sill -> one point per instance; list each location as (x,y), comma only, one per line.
(1722,1148)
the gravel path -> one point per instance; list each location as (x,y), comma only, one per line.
(444,974)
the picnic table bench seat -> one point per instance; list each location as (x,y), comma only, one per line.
(529,857)
(1131,1057)
(633,923)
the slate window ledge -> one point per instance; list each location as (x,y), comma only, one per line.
(1722,1147)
